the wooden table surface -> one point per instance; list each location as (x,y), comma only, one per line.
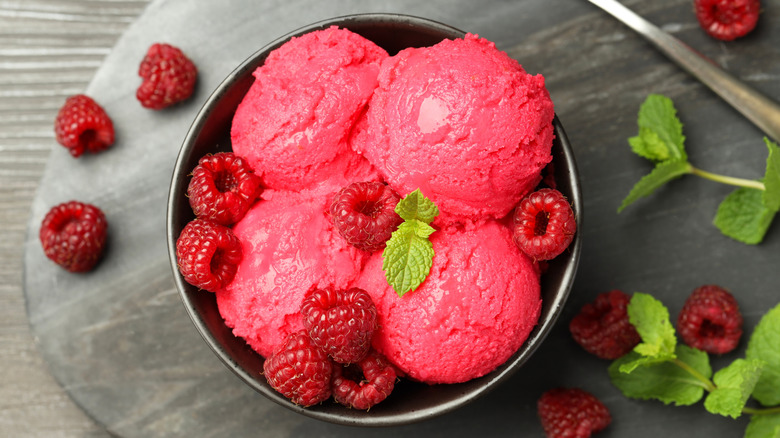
(598,73)
(49,49)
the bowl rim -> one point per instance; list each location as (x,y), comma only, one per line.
(492,379)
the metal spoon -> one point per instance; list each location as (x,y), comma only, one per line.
(759,109)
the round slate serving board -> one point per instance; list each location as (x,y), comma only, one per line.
(119,341)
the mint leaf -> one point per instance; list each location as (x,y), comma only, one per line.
(660,175)
(734,385)
(415,206)
(746,214)
(665,381)
(743,216)
(660,131)
(764,426)
(649,145)
(764,345)
(408,256)
(771,196)
(651,320)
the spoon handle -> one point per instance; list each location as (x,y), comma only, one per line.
(756,107)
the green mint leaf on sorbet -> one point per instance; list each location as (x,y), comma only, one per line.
(408,256)
(415,206)
(660,131)
(743,216)
(651,320)
(734,384)
(764,345)
(664,381)
(763,426)
(660,175)
(772,177)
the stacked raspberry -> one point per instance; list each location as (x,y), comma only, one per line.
(333,355)
(221,191)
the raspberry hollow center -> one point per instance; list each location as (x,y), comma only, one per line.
(368,207)
(540,226)
(711,330)
(66,223)
(225,181)
(217,262)
(88,138)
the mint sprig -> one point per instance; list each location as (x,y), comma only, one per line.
(684,376)
(663,380)
(764,345)
(408,255)
(745,215)
(733,386)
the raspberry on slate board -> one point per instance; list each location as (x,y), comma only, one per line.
(602,327)
(82,125)
(710,320)
(727,20)
(168,77)
(571,413)
(73,235)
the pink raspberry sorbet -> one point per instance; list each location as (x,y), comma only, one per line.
(475,309)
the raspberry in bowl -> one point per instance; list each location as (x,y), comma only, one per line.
(304,207)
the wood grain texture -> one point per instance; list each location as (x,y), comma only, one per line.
(49,49)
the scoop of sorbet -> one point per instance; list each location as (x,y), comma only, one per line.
(473,311)
(461,121)
(292,124)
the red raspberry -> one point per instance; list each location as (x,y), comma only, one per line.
(73,235)
(222,188)
(300,371)
(571,413)
(544,224)
(366,388)
(208,254)
(710,320)
(727,19)
(364,214)
(602,327)
(341,322)
(168,77)
(83,125)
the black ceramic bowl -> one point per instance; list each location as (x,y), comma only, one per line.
(410,401)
